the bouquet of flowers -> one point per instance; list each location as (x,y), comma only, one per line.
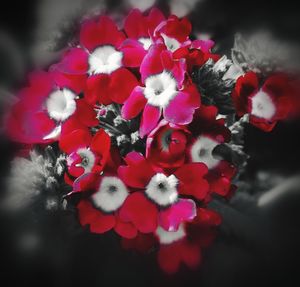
(140,126)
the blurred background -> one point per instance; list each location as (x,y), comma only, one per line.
(258,243)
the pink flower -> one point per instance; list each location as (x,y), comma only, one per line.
(103,56)
(102,197)
(165,92)
(48,107)
(157,200)
(266,104)
(86,153)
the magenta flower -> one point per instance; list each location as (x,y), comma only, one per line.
(165,92)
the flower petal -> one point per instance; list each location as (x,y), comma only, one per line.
(181,109)
(192,181)
(134,104)
(73,141)
(122,83)
(182,211)
(140,211)
(150,118)
(98,221)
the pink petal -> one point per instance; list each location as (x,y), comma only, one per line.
(152,64)
(182,211)
(181,109)
(151,116)
(134,104)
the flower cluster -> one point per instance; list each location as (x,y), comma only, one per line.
(139,144)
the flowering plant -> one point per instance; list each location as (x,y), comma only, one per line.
(143,117)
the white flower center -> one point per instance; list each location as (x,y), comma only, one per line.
(160,89)
(146,42)
(162,189)
(171,43)
(105,60)
(61,104)
(111,194)
(88,159)
(169,237)
(263,106)
(202,149)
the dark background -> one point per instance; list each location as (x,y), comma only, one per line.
(255,247)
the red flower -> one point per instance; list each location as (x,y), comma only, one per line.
(165,92)
(46,108)
(174,33)
(103,56)
(208,133)
(176,248)
(166,145)
(140,31)
(160,203)
(86,153)
(102,198)
(266,104)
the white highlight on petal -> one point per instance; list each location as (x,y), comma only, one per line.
(88,159)
(263,106)
(146,42)
(202,149)
(105,60)
(162,189)
(171,43)
(160,89)
(53,134)
(169,237)
(61,104)
(111,194)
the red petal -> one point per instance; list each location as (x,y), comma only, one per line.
(73,141)
(140,211)
(98,221)
(136,175)
(86,114)
(134,104)
(97,89)
(133,52)
(122,83)
(102,32)
(125,229)
(191,180)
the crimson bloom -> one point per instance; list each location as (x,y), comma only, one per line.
(209,132)
(165,92)
(266,103)
(166,145)
(103,56)
(86,153)
(47,107)
(102,197)
(157,201)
